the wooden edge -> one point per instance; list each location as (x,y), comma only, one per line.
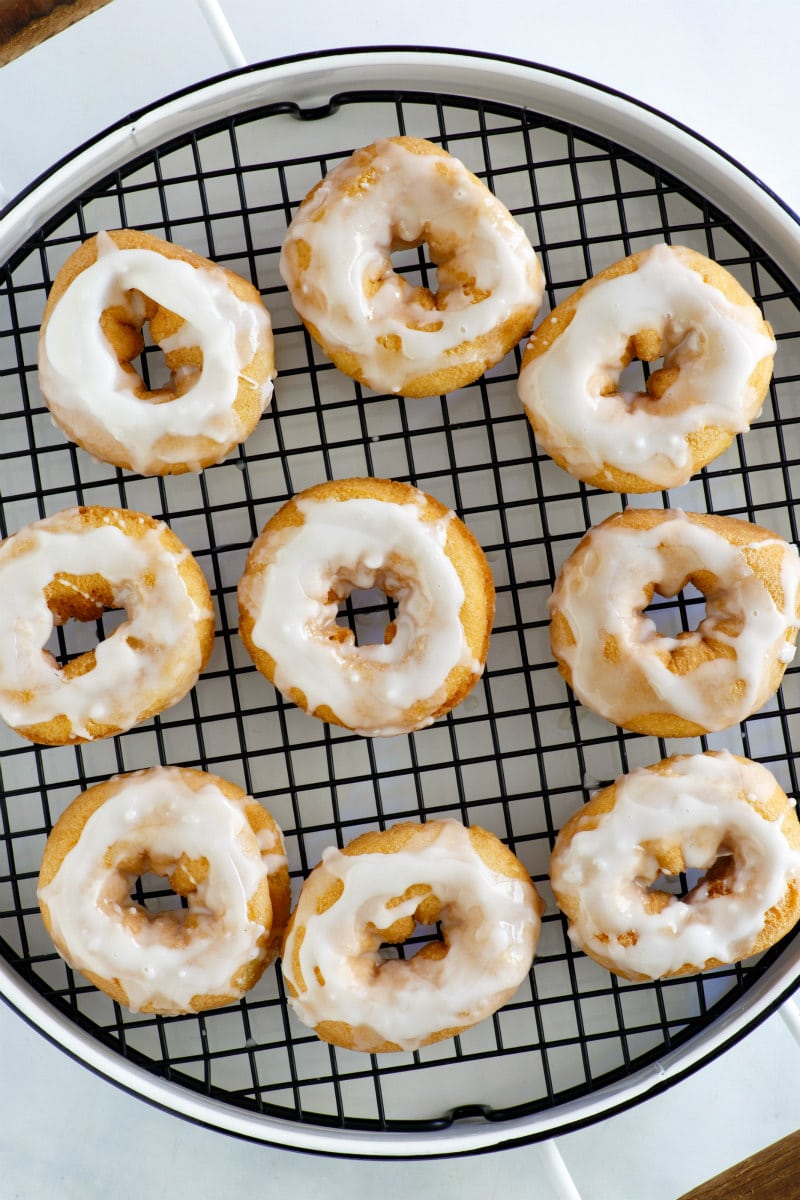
(772,1174)
(38,28)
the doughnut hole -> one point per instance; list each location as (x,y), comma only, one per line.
(699,643)
(156,893)
(417,934)
(366,614)
(135,893)
(655,356)
(139,328)
(72,645)
(678,879)
(670,879)
(420,303)
(80,599)
(139,892)
(408,262)
(687,649)
(679,614)
(408,232)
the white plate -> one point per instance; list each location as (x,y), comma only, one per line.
(518,755)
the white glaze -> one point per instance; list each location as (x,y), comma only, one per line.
(408,198)
(160,963)
(491,923)
(717,345)
(163,619)
(602,594)
(89,392)
(705,806)
(351,544)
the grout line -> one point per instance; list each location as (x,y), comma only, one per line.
(220,27)
(790,1012)
(565,1188)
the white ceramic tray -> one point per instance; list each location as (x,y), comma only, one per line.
(592,176)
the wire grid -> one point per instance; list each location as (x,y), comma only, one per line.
(519,754)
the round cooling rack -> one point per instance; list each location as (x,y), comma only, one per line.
(592,176)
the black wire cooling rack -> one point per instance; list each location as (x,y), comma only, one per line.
(519,754)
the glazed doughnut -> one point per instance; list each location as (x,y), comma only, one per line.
(616,662)
(362,533)
(713,812)
(74,565)
(667,302)
(216,337)
(376,890)
(336,261)
(218,848)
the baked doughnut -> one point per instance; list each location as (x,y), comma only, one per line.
(667,302)
(713,812)
(375,326)
(362,533)
(613,657)
(74,565)
(216,337)
(218,848)
(376,890)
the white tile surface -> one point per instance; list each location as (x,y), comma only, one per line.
(734,1107)
(66,1133)
(73,86)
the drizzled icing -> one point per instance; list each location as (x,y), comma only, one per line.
(154,655)
(491,924)
(351,544)
(708,806)
(487,270)
(717,345)
(88,389)
(602,592)
(160,961)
